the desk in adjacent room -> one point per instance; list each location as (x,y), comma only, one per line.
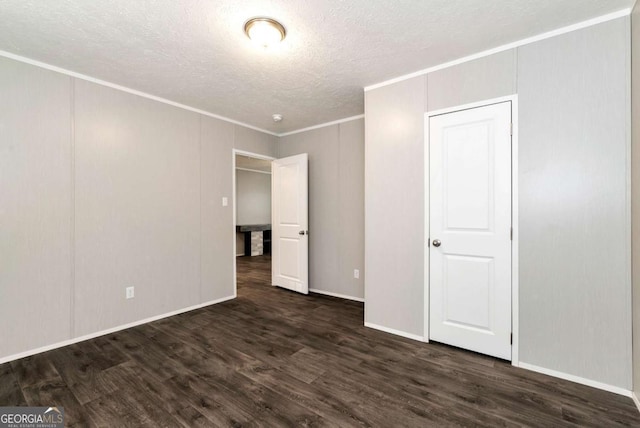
(257,238)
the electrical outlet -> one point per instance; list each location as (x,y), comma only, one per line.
(129,294)
(356,273)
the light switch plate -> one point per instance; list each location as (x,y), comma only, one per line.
(225,201)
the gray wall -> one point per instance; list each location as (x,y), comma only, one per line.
(574,207)
(35,207)
(103,190)
(635,190)
(137,213)
(394,206)
(253,197)
(485,78)
(255,142)
(336,204)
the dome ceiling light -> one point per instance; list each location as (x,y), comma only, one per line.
(265,31)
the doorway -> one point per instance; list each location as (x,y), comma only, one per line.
(252,220)
(469,253)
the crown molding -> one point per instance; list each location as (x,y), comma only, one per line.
(547,35)
(128,90)
(322,125)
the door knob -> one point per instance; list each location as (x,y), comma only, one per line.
(436,242)
(301,232)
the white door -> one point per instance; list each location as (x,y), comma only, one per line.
(470,229)
(290,229)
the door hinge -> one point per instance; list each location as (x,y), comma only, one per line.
(428,242)
(511,338)
(511,234)
(511,129)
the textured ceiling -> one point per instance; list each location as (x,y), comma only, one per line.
(194,52)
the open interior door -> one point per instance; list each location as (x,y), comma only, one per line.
(290,227)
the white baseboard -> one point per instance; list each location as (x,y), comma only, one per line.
(109,331)
(634,397)
(341,296)
(577,379)
(394,331)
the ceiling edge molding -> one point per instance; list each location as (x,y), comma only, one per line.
(128,90)
(322,125)
(547,35)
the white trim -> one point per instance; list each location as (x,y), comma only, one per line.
(129,90)
(332,294)
(253,170)
(547,35)
(560,31)
(634,397)
(235,152)
(252,155)
(322,125)
(164,100)
(577,379)
(110,330)
(515,241)
(427,230)
(235,236)
(394,331)
(469,106)
(513,99)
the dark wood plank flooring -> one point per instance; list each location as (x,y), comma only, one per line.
(276,358)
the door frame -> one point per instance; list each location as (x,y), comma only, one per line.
(235,152)
(514,214)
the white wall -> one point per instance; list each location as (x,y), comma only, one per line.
(102,190)
(253,197)
(574,208)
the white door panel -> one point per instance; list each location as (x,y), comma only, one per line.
(470,224)
(289,237)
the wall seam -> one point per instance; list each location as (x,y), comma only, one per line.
(426,214)
(340,249)
(628,195)
(200,207)
(72,203)
(633,144)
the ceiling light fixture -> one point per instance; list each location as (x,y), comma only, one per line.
(265,31)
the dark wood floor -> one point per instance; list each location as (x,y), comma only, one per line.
(275,358)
